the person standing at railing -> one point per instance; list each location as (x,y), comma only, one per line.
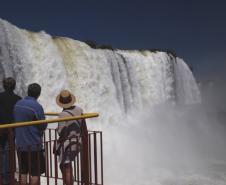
(69,142)
(7,101)
(29,139)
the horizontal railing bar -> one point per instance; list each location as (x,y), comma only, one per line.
(51,113)
(30,123)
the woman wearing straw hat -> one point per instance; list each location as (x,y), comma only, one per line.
(69,142)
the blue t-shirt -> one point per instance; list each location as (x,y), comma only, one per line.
(29,137)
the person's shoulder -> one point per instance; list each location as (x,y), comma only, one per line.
(2,94)
(38,105)
(79,108)
(21,100)
(19,103)
(27,102)
(62,114)
(17,96)
(32,101)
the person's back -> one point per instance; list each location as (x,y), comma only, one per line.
(28,109)
(7,101)
(29,138)
(69,143)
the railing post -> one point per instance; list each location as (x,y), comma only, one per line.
(95,158)
(55,159)
(11,155)
(102,167)
(1,165)
(47,161)
(85,155)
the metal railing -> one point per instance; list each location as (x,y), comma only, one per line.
(87,166)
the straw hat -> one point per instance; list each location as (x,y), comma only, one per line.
(65,99)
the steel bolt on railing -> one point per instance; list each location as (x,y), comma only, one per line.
(87,166)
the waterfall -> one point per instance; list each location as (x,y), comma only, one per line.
(112,83)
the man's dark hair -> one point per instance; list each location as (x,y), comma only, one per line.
(9,84)
(34,90)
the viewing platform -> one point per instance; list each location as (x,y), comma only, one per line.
(87,166)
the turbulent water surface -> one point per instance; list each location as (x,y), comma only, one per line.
(137,95)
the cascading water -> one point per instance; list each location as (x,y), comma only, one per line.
(118,84)
(115,81)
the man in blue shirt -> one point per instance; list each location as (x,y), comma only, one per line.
(29,138)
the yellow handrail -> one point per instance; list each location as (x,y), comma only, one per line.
(30,123)
(51,113)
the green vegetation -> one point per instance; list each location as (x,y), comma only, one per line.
(94,45)
(191,68)
(172,52)
(91,43)
(105,47)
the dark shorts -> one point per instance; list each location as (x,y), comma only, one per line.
(31,162)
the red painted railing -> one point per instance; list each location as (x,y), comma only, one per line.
(87,166)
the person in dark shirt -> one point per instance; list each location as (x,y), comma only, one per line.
(29,138)
(7,101)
